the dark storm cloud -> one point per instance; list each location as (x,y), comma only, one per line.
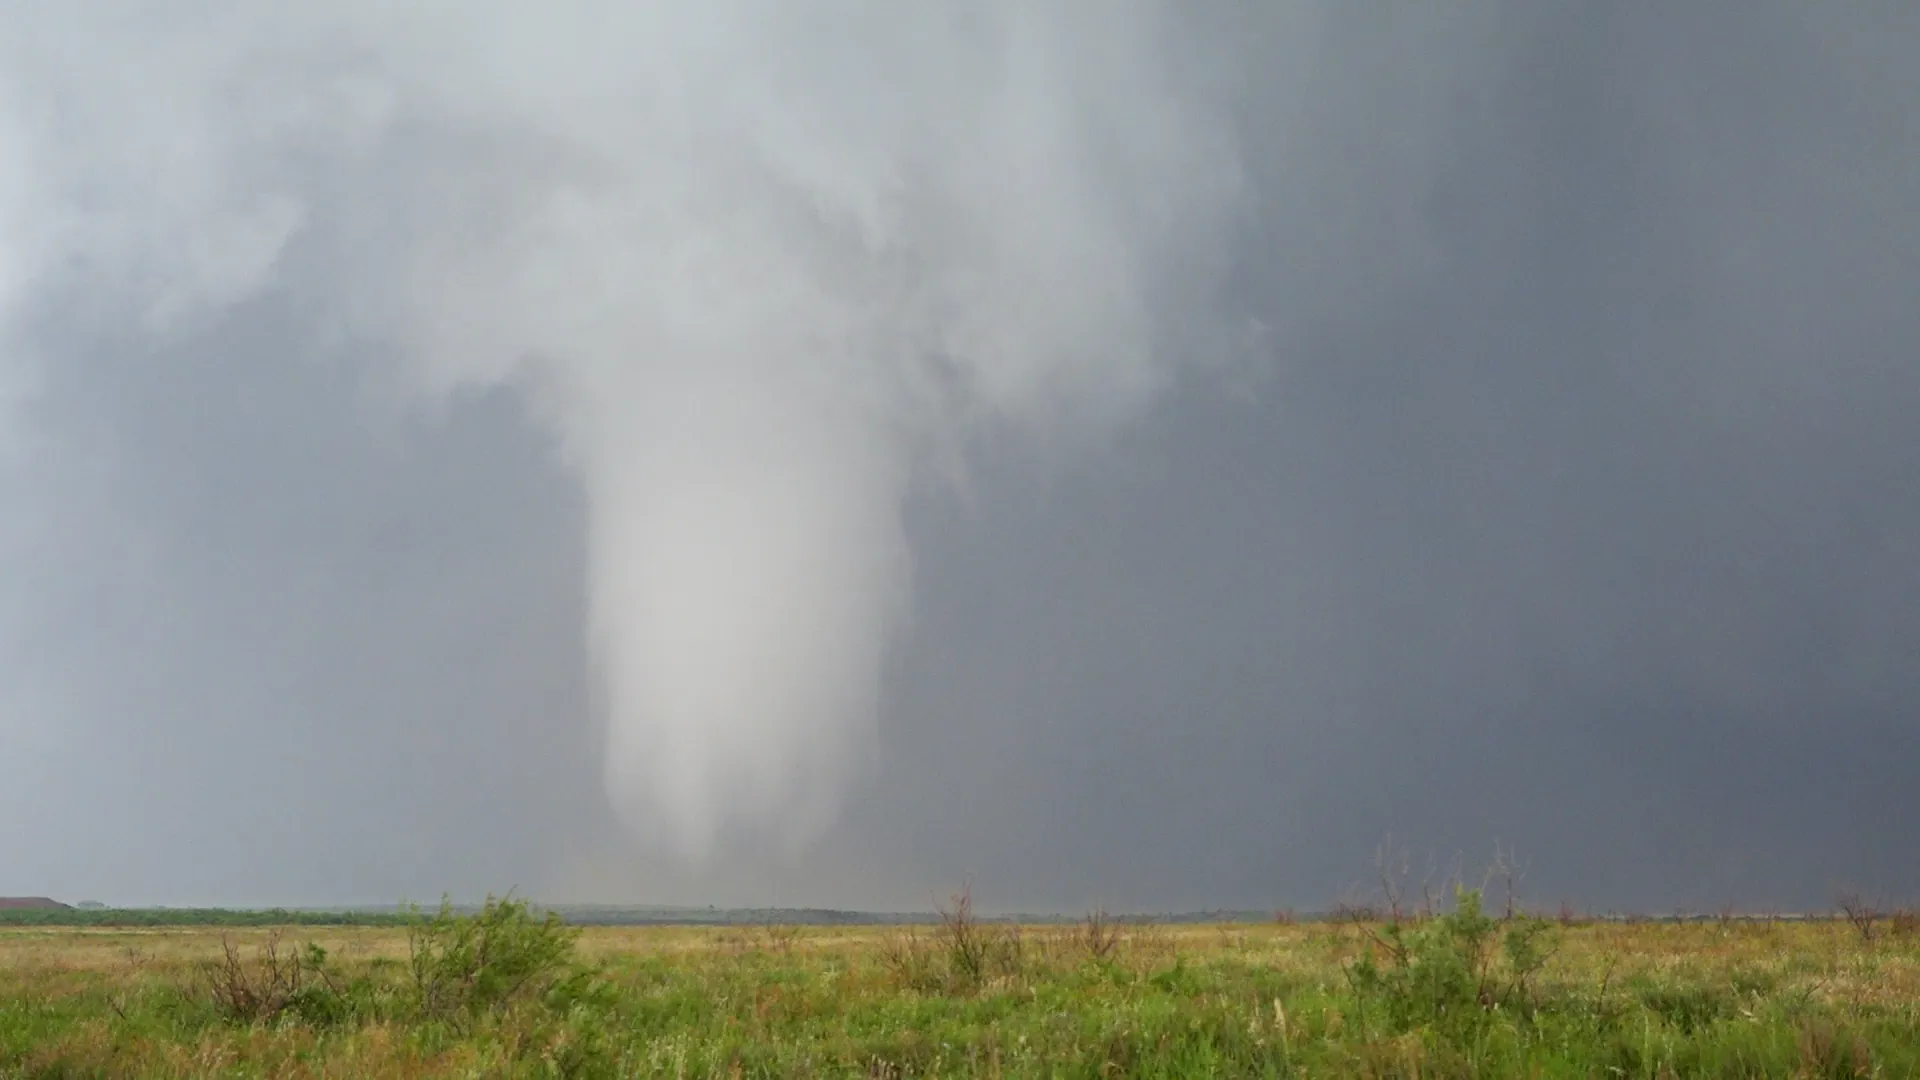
(1582,516)
(1579,511)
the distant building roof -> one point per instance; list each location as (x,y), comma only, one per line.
(16,903)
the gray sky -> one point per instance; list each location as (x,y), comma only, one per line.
(1568,499)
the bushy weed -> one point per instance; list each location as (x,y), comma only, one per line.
(462,965)
(1449,971)
(960,955)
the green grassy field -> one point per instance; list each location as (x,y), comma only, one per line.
(503,994)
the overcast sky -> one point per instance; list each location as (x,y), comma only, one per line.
(1559,486)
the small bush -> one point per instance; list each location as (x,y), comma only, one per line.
(277,982)
(1099,936)
(1862,914)
(281,982)
(249,993)
(975,951)
(1445,971)
(465,965)
(960,956)
(459,967)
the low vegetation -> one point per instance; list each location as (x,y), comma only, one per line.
(1442,988)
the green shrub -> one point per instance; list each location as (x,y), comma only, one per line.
(463,965)
(460,967)
(1445,972)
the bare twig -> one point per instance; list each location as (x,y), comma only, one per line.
(1098,934)
(1860,912)
(1392,867)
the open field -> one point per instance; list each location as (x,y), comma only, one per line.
(1458,995)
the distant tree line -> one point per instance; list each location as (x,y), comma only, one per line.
(199,917)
